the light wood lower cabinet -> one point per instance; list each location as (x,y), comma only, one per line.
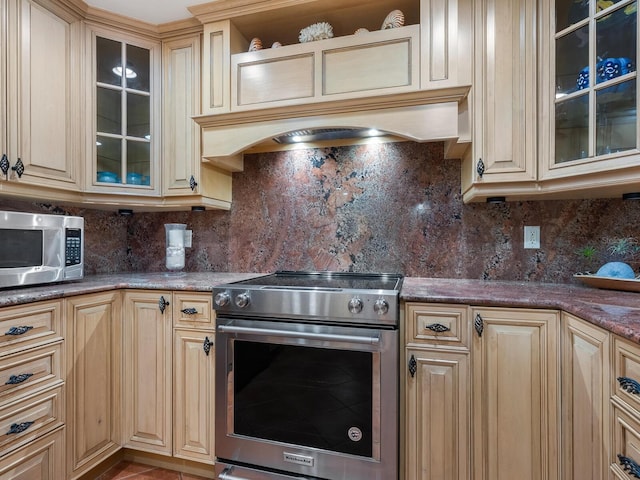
(624,458)
(437,372)
(93,341)
(516,399)
(585,400)
(42,459)
(193,380)
(437,437)
(147,371)
(193,402)
(32,392)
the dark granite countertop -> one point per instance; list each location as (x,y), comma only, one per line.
(618,312)
(196,282)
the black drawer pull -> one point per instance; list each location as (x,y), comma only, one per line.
(629,465)
(629,385)
(438,328)
(189,311)
(18,330)
(18,427)
(16,379)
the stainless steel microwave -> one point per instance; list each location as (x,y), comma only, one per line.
(37,248)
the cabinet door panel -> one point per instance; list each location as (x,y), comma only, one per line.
(48,105)
(147,372)
(585,415)
(40,460)
(93,379)
(194,396)
(438,435)
(515,397)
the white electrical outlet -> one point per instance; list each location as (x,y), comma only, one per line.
(531,237)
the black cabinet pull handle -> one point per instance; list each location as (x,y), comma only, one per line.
(17,379)
(438,327)
(162,304)
(413,366)
(478,324)
(480,168)
(18,168)
(18,427)
(206,346)
(629,465)
(18,330)
(189,311)
(192,183)
(4,164)
(629,385)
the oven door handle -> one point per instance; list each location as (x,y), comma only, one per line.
(331,337)
(228,474)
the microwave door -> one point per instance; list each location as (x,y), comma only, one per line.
(21,248)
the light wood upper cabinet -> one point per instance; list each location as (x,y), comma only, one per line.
(123,111)
(39,90)
(94,376)
(590,135)
(147,371)
(398,80)
(504,107)
(555,99)
(516,397)
(187,179)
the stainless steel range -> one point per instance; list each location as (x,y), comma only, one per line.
(307,377)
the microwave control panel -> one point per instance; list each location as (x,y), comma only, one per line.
(73,250)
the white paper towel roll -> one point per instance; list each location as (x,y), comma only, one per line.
(176,238)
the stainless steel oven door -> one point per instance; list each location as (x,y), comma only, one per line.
(316,400)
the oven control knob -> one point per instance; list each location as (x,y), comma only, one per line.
(381,306)
(355,305)
(222,299)
(242,300)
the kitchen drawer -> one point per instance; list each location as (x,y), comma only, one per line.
(31,417)
(27,326)
(24,373)
(193,310)
(42,459)
(626,372)
(625,452)
(437,324)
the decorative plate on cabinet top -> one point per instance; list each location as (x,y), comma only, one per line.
(395,19)
(610,283)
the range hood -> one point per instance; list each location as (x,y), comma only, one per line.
(421,116)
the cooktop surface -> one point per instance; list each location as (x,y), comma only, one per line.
(326,280)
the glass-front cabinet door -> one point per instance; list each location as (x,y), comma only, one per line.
(124,112)
(591,89)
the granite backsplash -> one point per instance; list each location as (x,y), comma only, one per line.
(392,207)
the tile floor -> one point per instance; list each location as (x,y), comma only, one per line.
(136,471)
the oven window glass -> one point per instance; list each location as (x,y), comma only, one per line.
(20,248)
(312,397)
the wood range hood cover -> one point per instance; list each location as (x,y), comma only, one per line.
(421,116)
